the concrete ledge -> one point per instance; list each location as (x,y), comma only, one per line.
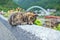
(5,33)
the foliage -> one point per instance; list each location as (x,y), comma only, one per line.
(9,4)
(58,27)
(6,5)
(44,3)
(57,13)
(38,22)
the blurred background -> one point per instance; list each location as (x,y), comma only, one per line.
(6,5)
(47,4)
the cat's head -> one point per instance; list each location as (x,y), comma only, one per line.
(31,16)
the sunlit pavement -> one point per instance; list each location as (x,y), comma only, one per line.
(26,32)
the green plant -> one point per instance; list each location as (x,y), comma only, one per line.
(58,27)
(38,22)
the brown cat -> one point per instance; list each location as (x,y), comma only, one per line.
(22,18)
